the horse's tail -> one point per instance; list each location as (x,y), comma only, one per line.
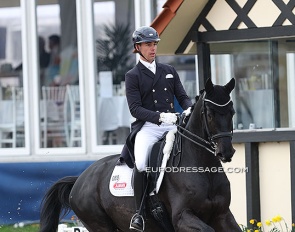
(55,201)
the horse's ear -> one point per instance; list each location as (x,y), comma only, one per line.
(209,85)
(230,85)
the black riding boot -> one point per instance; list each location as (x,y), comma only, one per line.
(137,221)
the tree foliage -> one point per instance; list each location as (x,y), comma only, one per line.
(113,51)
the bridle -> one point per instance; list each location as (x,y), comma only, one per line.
(210,144)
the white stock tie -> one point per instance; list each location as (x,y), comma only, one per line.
(152,68)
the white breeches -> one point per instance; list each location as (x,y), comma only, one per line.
(149,134)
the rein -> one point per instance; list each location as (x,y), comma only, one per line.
(209,144)
(196,139)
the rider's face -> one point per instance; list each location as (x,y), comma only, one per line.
(148,50)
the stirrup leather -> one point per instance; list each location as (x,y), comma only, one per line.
(143,223)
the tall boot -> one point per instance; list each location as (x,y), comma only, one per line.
(139,185)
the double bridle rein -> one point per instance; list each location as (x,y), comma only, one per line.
(210,144)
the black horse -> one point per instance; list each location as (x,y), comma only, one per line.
(196,199)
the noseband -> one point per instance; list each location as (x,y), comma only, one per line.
(209,144)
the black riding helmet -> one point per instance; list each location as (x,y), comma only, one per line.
(145,34)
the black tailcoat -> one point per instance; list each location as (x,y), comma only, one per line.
(148,95)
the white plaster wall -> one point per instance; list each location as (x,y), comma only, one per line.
(238,184)
(275,183)
(222,10)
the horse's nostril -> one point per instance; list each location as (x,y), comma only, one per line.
(222,158)
(219,155)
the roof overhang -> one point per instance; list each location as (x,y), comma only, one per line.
(175,22)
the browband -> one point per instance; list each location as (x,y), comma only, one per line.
(216,103)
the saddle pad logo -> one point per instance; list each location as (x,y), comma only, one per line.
(120,185)
(116,178)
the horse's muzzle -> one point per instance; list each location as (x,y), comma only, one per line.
(225,156)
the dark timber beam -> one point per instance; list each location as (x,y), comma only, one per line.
(292,166)
(263,33)
(204,66)
(252,182)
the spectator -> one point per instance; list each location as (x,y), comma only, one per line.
(53,69)
(44,58)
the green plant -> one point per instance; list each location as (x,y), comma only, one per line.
(13,228)
(277,224)
(113,51)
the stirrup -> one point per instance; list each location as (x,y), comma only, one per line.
(143,223)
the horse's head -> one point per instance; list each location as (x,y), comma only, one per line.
(218,111)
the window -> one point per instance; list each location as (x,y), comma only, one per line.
(12,119)
(264,73)
(60,115)
(113,58)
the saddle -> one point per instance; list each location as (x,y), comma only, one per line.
(167,147)
(121,182)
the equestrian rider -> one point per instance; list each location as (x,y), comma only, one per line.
(150,91)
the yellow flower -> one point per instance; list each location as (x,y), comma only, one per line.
(278,218)
(256,230)
(268,222)
(252,221)
(293,224)
(248,230)
(259,224)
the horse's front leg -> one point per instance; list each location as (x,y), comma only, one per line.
(186,221)
(225,222)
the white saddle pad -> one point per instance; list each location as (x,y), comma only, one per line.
(120,183)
